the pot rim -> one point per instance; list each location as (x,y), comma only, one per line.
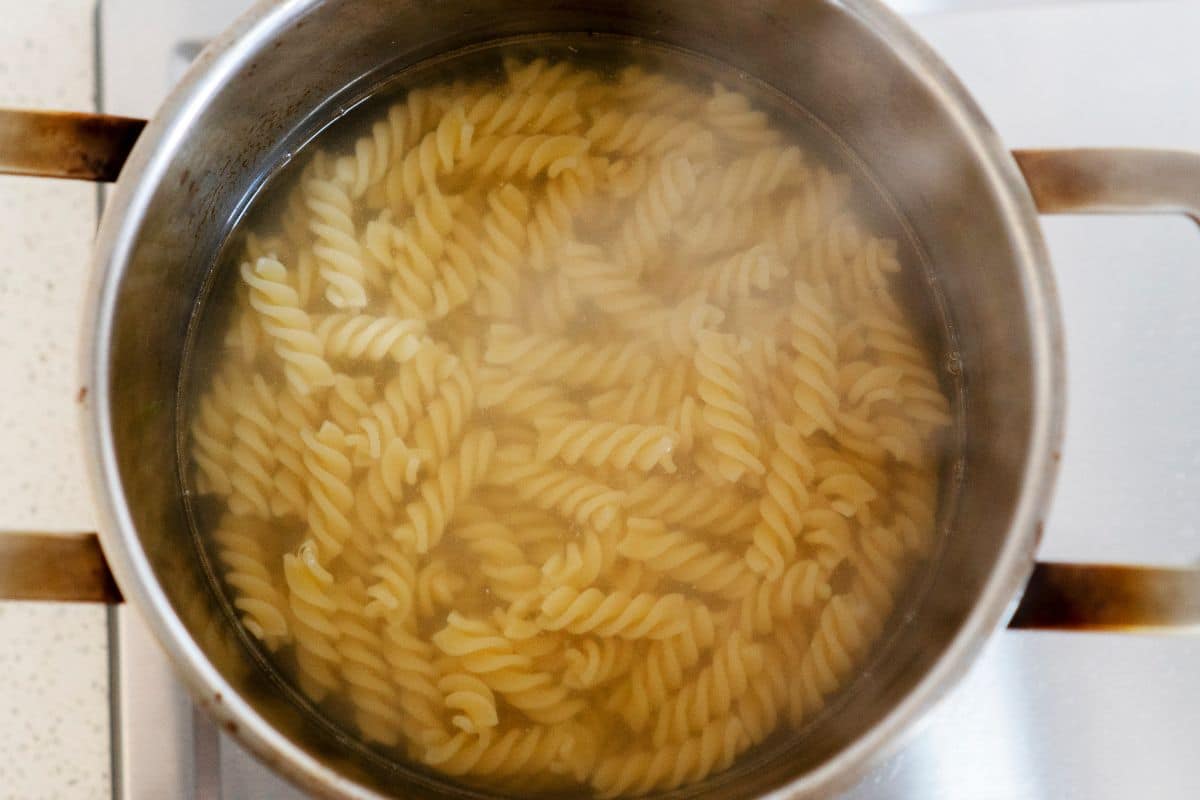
(124,214)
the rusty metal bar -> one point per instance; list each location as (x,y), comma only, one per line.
(46,566)
(65,144)
(1113,180)
(1100,597)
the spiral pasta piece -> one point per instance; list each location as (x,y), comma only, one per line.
(615,614)
(610,285)
(385,484)
(663,671)
(245,336)
(445,416)
(644,132)
(915,510)
(501,254)
(815,364)
(437,586)
(417,383)
(741,274)
(256,594)
(393,592)
(349,400)
(287,324)
(785,495)
(711,694)
(388,141)
(534,750)
(580,563)
(761,709)
(733,118)
(366,674)
(844,488)
(641,771)
(360,336)
(431,258)
(522,397)
(312,606)
(482,651)
(552,221)
(866,277)
(807,214)
(655,212)
(501,112)
(836,643)
(829,534)
(554,488)
(726,414)
(421,702)
(752,177)
(252,453)
(647,91)
(439,151)
(472,699)
(542,75)
(329,471)
(685,559)
(296,413)
(677,330)
(553,359)
(456,478)
(645,402)
(523,156)
(694,504)
(390,417)
(719,230)
(596,661)
(598,443)
(502,560)
(879,569)
(802,585)
(336,245)
(861,385)
(895,345)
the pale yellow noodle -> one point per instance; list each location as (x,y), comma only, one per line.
(570,430)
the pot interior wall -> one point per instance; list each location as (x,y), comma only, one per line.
(824,57)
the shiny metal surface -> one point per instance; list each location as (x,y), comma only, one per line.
(1093,717)
(205,148)
(1055,715)
(153,743)
(945,136)
(1040,715)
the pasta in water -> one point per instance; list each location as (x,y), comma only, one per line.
(569,430)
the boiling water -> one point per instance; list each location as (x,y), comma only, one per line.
(566,415)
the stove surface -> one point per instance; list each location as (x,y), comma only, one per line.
(1095,717)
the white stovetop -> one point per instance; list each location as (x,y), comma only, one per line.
(1042,715)
(53,658)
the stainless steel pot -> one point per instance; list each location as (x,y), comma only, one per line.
(970,203)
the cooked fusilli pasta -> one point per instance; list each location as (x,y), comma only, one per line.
(721,387)
(288,324)
(570,431)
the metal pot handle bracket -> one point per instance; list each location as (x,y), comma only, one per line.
(93,147)
(1102,597)
(60,144)
(65,144)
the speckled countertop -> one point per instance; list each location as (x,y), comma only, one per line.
(54,740)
